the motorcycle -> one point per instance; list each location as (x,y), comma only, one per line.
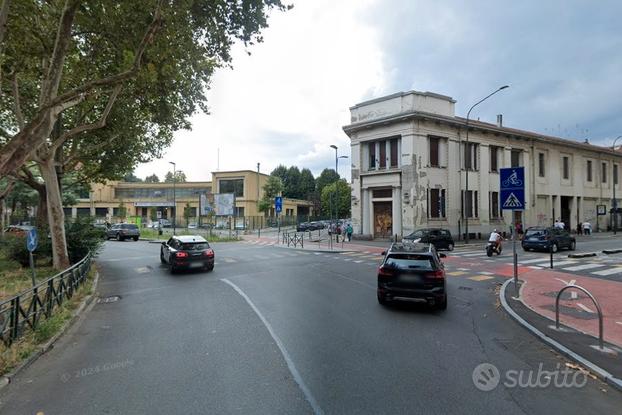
(492,248)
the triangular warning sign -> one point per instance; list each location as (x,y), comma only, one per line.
(512,202)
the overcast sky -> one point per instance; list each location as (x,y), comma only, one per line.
(287,101)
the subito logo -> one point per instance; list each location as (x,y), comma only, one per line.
(486,377)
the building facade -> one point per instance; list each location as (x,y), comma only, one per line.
(115,201)
(410,159)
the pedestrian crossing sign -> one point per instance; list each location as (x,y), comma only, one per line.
(512,185)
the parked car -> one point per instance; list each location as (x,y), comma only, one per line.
(412,272)
(123,231)
(192,225)
(187,252)
(546,239)
(440,238)
(303,226)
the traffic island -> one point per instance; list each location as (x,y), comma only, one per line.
(571,339)
(583,255)
(612,251)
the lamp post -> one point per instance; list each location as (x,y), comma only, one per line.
(466,166)
(174,199)
(614,181)
(337,157)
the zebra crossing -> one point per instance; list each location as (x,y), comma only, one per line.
(600,266)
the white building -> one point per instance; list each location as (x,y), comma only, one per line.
(408,170)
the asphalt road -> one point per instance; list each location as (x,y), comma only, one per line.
(277,331)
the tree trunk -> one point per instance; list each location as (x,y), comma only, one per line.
(56,216)
(42,207)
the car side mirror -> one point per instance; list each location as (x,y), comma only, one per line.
(442,255)
(384,253)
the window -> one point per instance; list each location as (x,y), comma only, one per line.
(470,156)
(393,146)
(372,155)
(541,164)
(494,205)
(471,204)
(603,176)
(436,203)
(515,158)
(589,170)
(566,167)
(239,211)
(190,212)
(434,152)
(615,174)
(494,158)
(235,186)
(383,154)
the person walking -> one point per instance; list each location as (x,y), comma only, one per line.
(587,228)
(349,231)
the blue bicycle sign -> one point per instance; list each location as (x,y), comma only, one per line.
(512,180)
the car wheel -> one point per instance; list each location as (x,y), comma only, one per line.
(119,237)
(554,247)
(443,304)
(382,301)
(450,247)
(171,267)
(162,258)
(573,245)
(209,268)
(135,238)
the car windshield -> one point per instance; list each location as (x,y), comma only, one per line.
(194,246)
(410,261)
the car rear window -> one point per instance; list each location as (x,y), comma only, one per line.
(129,227)
(410,261)
(194,246)
(535,232)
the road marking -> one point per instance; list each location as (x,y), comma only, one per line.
(463,269)
(608,271)
(583,267)
(559,264)
(486,273)
(481,278)
(143,270)
(573,294)
(532,261)
(534,267)
(470,255)
(347,259)
(585,308)
(288,360)
(619,322)
(358,262)
(229,260)
(456,273)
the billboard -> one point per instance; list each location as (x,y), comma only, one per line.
(224,204)
(207,204)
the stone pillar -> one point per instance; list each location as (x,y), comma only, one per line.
(397,210)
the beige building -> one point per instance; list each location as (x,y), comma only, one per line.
(410,159)
(115,201)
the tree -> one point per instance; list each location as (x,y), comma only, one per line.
(187,213)
(131,178)
(307,184)
(325,178)
(180,177)
(272,188)
(337,194)
(152,179)
(73,68)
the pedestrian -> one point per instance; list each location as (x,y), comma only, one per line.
(349,231)
(579,228)
(587,228)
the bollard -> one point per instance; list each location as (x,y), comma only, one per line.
(551,252)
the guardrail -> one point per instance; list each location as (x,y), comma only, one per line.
(293,238)
(25,310)
(600,312)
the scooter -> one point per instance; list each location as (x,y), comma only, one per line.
(492,248)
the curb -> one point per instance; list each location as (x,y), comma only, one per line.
(597,370)
(584,255)
(611,251)
(41,350)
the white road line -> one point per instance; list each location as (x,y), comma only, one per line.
(608,271)
(583,267)
(290,363)
(619,322)
(573,294)
(358,262)
(533,261)
(557,264)
(229,260)
(347,259)
(585,308)
(470,255)
(534,267)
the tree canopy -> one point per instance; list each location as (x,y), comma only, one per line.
(180,177)
(337,194)
(272,188)
(152,179)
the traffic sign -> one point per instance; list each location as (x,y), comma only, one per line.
(512,184)
(278,204)
(31,240)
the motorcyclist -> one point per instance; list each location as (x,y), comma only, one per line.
(495,238)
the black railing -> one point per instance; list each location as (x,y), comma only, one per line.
(293,238)
(25,310)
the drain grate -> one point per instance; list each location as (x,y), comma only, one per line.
(106,300)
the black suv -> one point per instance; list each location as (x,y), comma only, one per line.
(440,238)
(547,239)
(412,272)
(187,252)
(123,231)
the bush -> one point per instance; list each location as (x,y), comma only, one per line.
(15,248)
(82,237)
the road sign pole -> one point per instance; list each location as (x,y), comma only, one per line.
(32,268)
(514,254)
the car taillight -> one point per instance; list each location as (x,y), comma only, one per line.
(209,252)
(436,274)
(385,272)
(181,254)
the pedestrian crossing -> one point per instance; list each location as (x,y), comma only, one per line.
(601,266)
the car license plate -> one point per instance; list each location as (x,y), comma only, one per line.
(196,264)
(410,278)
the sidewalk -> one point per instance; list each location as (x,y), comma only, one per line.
(577,314)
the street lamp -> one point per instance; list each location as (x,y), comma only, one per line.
(466,167)
(174,199)
(615,202)
(337,171)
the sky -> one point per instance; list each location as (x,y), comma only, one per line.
(287,101)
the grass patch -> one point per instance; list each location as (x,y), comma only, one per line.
(14,278)
(25,346)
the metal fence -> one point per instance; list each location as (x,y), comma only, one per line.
(25,311)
